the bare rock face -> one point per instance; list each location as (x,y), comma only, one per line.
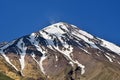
(60,52)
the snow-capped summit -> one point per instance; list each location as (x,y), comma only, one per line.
(58,49)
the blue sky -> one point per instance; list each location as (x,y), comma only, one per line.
(98,17)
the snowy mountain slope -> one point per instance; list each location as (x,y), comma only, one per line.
(57,45)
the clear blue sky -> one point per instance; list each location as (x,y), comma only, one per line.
(98,17)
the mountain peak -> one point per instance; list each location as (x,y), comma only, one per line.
(57,49)
(60,23)
(63,27)
(57,28)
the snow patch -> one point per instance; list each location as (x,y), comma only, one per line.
(110,46)
(85,51)
(111,55)
(86,34)
(85,39)
(33,56)
(72,62)
(7,45)
(81,66)
(23,48)
(97,54)
(109,58)
(55,29)
(55,65)
(56,57)
(36,44)
(47,37)
(41,65)
(7,59)
(22,61)
(3,54)
(118,62)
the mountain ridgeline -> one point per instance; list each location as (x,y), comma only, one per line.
(60,51)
